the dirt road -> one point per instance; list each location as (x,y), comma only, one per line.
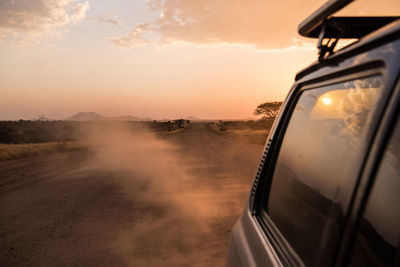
(169,202)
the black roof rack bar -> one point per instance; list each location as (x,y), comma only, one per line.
(319,16)
(336,28)
(350,27)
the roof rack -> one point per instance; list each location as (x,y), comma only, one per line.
(322,25)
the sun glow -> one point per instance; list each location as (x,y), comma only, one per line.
(326,100)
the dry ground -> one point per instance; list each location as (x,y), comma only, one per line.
(131,200)
(252,132)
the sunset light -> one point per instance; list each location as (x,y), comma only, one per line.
(326,100)
(155,59)
(199,132)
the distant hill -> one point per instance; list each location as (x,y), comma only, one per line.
(93,116)
(192,118)
(87,116)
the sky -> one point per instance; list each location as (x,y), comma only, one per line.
(212,59)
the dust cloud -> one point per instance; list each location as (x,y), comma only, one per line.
(183,218)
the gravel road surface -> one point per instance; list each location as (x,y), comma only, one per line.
(168,201)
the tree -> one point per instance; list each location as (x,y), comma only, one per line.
(268,109)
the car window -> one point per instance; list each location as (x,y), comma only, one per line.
(378,238)
(318,164)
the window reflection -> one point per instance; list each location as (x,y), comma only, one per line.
(318,163)
(378,240)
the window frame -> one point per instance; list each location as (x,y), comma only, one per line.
(286,254)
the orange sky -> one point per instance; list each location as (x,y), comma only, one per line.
(215,59)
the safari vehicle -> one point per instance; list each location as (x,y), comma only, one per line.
(327,190)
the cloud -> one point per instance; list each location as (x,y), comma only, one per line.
(265,24)
(110,19)
(29,19)
(79,12)
(135,37)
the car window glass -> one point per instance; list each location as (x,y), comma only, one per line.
(378,238)
(318,164)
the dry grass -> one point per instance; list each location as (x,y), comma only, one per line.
(18,151)
(250,136)
(242,131)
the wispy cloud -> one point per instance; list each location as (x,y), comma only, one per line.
(110,19)
(135,37)
(79,11)
(28,20)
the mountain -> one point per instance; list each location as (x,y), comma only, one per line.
(145,119)
(87,116)
(93,116)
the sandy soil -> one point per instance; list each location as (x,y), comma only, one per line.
(139,202)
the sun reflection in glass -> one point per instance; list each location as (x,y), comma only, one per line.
(326,100)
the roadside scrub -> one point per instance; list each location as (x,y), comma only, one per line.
(24,139)
(19,151)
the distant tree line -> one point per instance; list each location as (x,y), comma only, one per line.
(25,131)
